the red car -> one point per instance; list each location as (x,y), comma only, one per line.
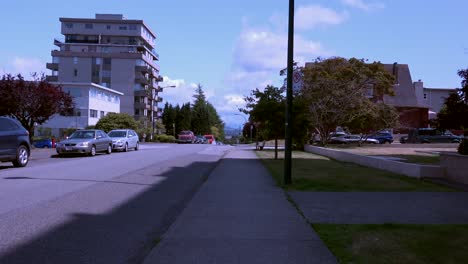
(209,138)
(186,136)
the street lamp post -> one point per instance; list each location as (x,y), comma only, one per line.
(289,101)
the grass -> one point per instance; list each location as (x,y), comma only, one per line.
(311,172)
(396,243)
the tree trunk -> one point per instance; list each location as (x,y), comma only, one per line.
(276,148)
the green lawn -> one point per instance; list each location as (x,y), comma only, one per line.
(316,173)
(395,243)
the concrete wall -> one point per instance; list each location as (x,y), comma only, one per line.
(456,166)
(408,169)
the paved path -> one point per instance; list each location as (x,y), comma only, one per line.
(239,216)
(383,207)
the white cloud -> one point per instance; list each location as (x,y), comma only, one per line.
(263,50)
(312,16)
(181,94)
(27,66)
(363,5)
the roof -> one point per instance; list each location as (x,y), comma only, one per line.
(89,84)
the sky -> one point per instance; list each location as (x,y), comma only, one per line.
(233,47)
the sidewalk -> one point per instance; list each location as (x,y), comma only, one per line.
(239,216)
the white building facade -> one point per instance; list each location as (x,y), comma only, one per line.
(92,102)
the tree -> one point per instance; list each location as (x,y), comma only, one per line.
(200,114)
(117,121)
(32,102)
(335,91)
(453,114)
(267,109)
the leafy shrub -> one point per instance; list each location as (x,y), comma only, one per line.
(463,147)
(165,139)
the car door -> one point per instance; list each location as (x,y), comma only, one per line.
(8,137)
(133,139)
(100,141)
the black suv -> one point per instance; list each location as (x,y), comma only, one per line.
(14,142)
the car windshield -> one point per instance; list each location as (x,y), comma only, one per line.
(82,134)
(117,134)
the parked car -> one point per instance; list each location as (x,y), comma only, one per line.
(209,138)
(200,140)
(383,137)
(88,141)
(348,139)
(186,136)
(124,139)
(43,143)
(14,142)
(430,135)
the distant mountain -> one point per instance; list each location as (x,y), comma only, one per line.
(230,131)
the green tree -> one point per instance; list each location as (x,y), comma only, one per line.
(32,102)
(453,114)
(116,121)
(335,89)
(200,113)
(267,110)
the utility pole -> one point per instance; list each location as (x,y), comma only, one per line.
(289,100)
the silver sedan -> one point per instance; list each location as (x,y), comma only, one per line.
(124,139)
(85,142)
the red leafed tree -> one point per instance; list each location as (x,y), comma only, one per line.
(32,101)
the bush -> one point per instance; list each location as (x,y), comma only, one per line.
(165,139)
(463,147)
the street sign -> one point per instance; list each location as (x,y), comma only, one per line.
(297,80)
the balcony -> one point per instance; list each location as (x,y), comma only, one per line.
(52,66)
(142,80)
(143,69)
(142,106)
(140,93)
(159,99)
(158,89)
(51,78)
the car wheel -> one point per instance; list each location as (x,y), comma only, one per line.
(126,147)
(109,149)
(93,151)
(22,157)
(137,146)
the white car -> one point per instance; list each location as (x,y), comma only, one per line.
(124,139)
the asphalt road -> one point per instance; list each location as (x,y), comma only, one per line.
(102,209)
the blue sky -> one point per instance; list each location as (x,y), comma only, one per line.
(232,47)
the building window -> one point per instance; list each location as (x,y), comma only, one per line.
(108,27)
(132,40)
(68,25)
(132,27)
(137,111)
(75,60)
(98,61)
(105,49)
(102,114)
(123,27)
(93,113)
(425,96)
(89,26)
(106,74)
(75,72)
(107,61)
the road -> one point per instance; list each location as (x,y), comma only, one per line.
(102,209)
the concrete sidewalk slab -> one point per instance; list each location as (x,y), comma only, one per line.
(240,216)
(383,207)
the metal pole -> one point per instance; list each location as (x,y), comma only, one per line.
(289,101)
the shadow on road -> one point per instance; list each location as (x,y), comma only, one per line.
(124,235)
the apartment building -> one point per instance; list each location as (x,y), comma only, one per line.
(112,52)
